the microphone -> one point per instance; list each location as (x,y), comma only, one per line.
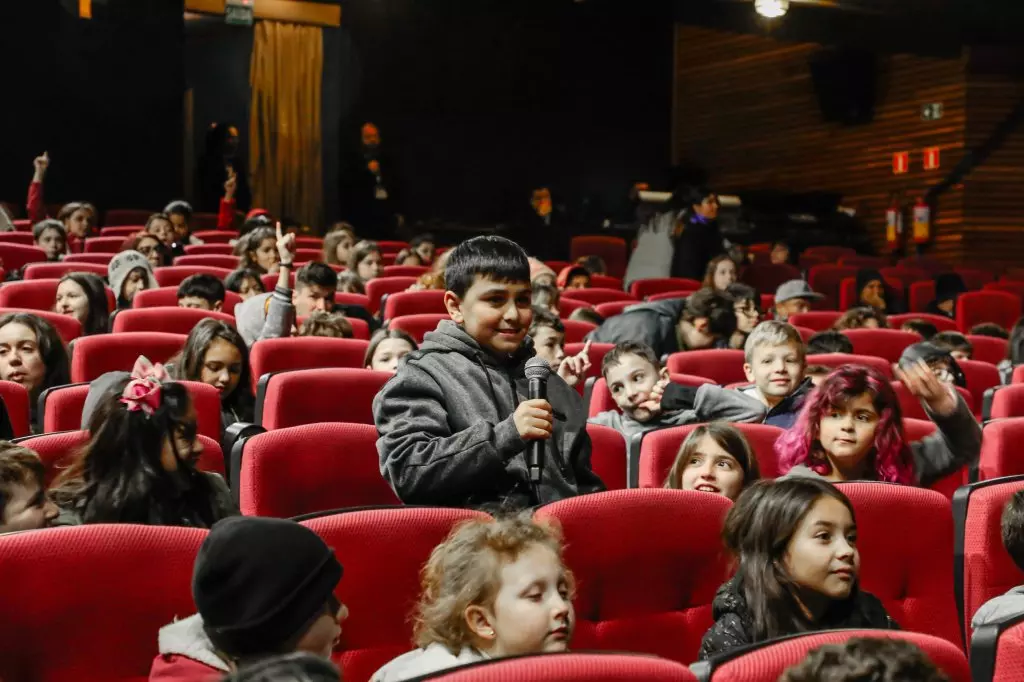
(537,372)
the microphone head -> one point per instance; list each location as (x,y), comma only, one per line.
(537,368)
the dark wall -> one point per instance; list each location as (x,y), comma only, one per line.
(102,96)
(479,101)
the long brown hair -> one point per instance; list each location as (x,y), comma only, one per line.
(727,437)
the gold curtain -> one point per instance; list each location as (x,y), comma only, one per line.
(284,121)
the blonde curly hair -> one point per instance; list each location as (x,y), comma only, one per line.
(465,569)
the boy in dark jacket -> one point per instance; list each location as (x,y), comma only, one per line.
(699,321)
(774,360)
(455,421)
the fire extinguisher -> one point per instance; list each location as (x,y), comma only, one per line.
(922,221)
(894,224)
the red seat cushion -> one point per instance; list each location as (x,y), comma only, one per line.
(304,352)
(629,595)
(297,397)
(312,468)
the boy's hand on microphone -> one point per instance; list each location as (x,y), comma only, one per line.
(533,419)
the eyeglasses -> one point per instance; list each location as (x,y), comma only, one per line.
(749,310)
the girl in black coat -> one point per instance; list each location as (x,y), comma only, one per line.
(796,541)
(698,239)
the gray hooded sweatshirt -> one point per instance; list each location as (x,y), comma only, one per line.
(447,435)
(276,323)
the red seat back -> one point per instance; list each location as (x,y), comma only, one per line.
(304,352)
(57,450)
(16,256)
(818,320)
(122,230)
(601,398)
(911,407)
(427,301)
(96,258)
(768,277)
(228,262)
(834,360)
(381,547)
(876,262)
(929,265)
(15,398)
(825,280)
(215,236)
(659,449)
(577,330)
(612,308)
(567,305)
(606,282)
(146,570)
(595,296)
(167,297)
(920,295)
(361,300)
(206,400)
(36,294)
(943,324)
(170,320)
(62,407)
(94,355)
(405,270)
(888,344)
(724,366)
(417,326)
(376,289)
(975,279)
(629,595)
(173,275)
(643,288)
(976,307)
(300,397)
(832,253)
(571,667)
(1000,449)
(208,249)
(104,244)
(608,456)
(767,662)
(58,270)
(68,327)
(1009,286)
(126,216)
(312,468)
(980,376)
(597,353)
(988,348)
(988,570)
(909,572)
(25,238)
(612,250)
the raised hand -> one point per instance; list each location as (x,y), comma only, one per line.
(574,368)
(230,185)
(285,245)
(41,163)
(919,379)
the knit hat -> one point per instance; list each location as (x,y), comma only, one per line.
(259,583)
(122,264)
(948,286)
(538,268)
(866,275)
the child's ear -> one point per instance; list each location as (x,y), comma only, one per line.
(748,371)
(218,306)
(453,304)
(663,374)
(480,623)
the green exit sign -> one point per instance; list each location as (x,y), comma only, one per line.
(238,12)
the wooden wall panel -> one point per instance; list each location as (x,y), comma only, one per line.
(746,110)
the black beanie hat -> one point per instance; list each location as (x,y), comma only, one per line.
(259,582)
(865,275)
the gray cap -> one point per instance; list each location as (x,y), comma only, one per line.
(796,288)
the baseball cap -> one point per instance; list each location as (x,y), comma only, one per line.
(796,288)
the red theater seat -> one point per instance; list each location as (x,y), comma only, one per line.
(31,295)
(930,266)
(104,244)
(567,305)
(997,651)
(644,288)
(658,451)
(570,667)
(215,236)
(767,661)
(68,327)
(417,325)
(343,298)
(612,250)
(908,571)
(876,262)
(304,352)
(888,344)
(629,595)
(61,407)
(145,570)
(1005,401)
(210,250)
(167,297)
(95,258)
(360,328)
(976,307)
(980,376)
(126,216)
(825,280)
(1000,449)
(303,256)
(594,297)
(381,547)
(171,320)
(984,569)
(16,400)
(769,276)
(173,275)
(943,324)
(612,308)
(834,360)
(1010,287)
(312,468)
(605,282)
(975,279)
(228,262)
(58,270)
(601,398)
(818,320)
(376,289)
(405,270)
(988,348)
(722,365)
(577,330)
(122,231)
(832,253)
(920,294)
(911,407)
(94,355)
(16,256)
(428,301)
(297,397)
(608,456)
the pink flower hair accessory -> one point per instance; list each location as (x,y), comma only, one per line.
(143,392)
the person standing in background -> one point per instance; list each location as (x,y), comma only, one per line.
(220,162)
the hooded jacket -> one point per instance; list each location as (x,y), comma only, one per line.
(257,320)
(684,405)
(652,323)
(786,411)
(186,654)
(734,621)
(447,434)
(431,659)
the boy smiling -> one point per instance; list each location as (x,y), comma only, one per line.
(455,421)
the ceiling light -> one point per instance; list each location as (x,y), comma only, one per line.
(771,9)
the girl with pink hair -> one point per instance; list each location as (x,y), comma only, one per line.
(851,428)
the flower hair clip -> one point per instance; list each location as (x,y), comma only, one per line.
(143,392)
